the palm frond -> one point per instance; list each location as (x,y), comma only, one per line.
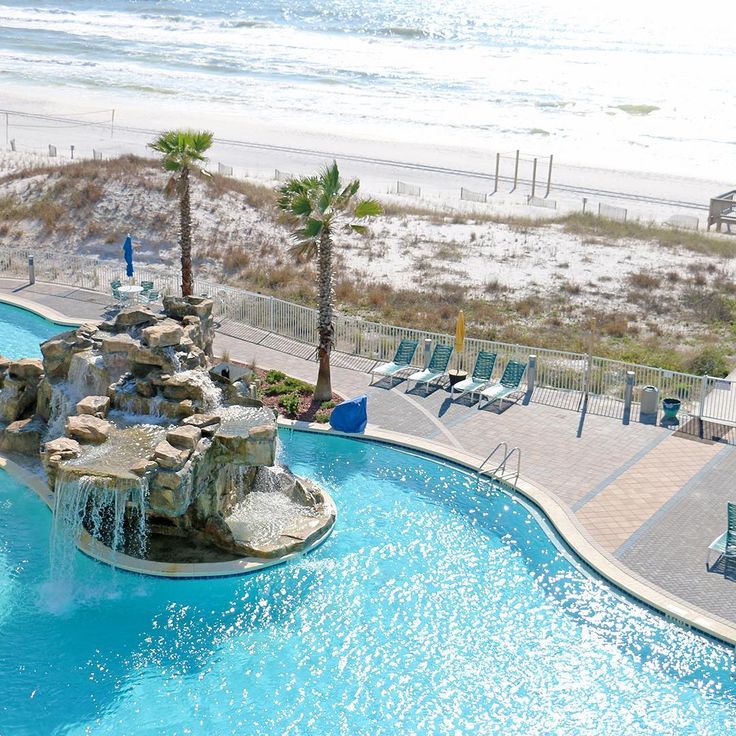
(368,208)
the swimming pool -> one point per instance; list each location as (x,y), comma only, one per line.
(432,609)
(22,331)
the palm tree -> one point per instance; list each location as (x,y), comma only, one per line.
(319,206)
(182,150)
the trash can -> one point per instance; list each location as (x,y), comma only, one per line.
(649,401)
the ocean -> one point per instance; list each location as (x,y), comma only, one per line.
(639,84)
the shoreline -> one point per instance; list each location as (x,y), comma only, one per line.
(260,146)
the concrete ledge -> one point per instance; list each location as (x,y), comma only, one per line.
(563,520)
(100,552)
(43,311)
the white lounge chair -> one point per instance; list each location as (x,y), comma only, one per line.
(436,369)
(400,363)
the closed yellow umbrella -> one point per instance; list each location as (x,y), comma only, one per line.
(460,333)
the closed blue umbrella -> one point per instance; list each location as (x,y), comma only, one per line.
(128,255)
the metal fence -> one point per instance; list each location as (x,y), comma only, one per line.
(571,375)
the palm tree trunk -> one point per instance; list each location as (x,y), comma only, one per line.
(185,232)
(325,326)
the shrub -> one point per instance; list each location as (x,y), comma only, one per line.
(290,404)
(644,280)
(708,306)
(275,377)
(328,405)
(321,417)
(289,386)
(709,361)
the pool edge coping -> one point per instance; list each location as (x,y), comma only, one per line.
(561,517)
(41,310)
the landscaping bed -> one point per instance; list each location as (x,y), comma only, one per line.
(293,398)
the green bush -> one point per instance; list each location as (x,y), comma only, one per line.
(290,404)
(328,405)
(709,361)
(289,386)
(321,417)
(275,377)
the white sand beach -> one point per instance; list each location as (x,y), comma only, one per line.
(256,147)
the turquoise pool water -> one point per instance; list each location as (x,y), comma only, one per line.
(21,332)
(432,609)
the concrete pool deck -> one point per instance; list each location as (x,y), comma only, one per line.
(648,500)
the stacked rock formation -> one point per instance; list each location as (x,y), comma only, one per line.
(153,369)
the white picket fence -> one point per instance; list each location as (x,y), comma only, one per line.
(570,376)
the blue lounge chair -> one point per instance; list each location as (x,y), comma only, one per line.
(436,369)
(402,358)
(481,375)
(509,383)
(725,545)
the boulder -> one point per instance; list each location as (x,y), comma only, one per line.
(119,343)
(57,451)
(57,351)
(254,446)
(144,387)
(4,363)
(143,466)
(143,359)
(26,369)
(170,492)
(185,437)
(43,398)
(23,436)
(206,423)
(133,316)
(194,358)
(170,457)
(176,409)
(163,334)
(178,387)
(16,399)
(97,406)
(86,428)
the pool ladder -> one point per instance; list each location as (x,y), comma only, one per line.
(500,472)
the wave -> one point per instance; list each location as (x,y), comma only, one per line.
(414,33)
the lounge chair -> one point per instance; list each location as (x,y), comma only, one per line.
(481,375)
(725,545)
(436,369)
(402,358)
(509,383)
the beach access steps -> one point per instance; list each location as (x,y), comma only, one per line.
(722,211)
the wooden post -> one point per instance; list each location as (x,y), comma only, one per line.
(498,166)
(585,202)
(534,177)
(516,170)
(549,177)
(112,124)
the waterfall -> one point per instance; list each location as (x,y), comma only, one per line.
(263,513)
(171,354)
(111,509)
(60,408)
(211,394)
(87,376)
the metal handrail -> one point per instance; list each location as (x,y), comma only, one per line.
(513,451)
(500,469)
(500,446)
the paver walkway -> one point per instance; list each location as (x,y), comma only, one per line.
(650,498)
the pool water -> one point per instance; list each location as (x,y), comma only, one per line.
(433,608)
(22,331)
